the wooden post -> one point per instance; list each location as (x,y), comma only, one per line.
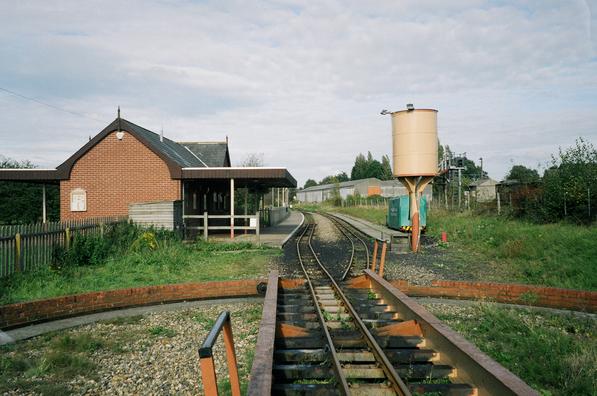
(43,207)
(67,238)
(231,208)
(258,229)
(374,263)
(205,226)
(17,252)
(499,205)
(415,235)
(208,376)
(231,357)
(382,259)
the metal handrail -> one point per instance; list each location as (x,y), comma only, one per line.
(208,369)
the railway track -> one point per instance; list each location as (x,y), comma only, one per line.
(333,334)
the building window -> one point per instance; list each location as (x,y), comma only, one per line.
(78,200)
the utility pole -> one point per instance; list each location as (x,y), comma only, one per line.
(459,187)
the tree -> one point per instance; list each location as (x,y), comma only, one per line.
(359,170)
(571,182)
(21,203)
(253,160)
(339,178)
(310,183)
(523,175)
(386,168)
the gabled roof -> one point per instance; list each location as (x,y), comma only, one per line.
(175,155)
(212,154)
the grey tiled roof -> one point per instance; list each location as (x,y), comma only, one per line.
(198,155)
(213,154)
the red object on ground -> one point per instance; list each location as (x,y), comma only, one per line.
(444,236)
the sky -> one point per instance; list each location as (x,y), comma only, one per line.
(302,83)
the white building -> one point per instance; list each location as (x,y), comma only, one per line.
(362,187)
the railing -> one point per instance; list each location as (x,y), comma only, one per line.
(206,360)
(28,247)
(205,227)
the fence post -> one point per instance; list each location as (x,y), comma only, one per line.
(499,206)
(382,259)
(374,263)
(205,225)
(258,229)
(17,252)
(67,238)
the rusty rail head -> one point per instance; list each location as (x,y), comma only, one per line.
(472,365)
(206,361)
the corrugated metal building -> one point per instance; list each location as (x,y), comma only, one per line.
(361,187)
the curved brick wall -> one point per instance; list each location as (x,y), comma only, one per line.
(20,314)
(551,297)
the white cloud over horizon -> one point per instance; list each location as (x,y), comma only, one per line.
(302,82)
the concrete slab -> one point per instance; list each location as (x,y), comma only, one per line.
(274,236)
(373,230)
(23,333)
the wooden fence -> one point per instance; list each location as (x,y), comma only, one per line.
(29,246)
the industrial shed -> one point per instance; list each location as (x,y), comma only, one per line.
(127,169)
(362,187)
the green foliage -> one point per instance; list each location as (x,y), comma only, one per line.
(569,182)
(339,178)
(559,255)
(173,262)
(78,343)
(566,345)
(21,203)
(364,168)
(145,241)
(161,331)
(310,183)
(523,175)
(499,249)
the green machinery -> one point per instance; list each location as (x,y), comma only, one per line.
(398,214)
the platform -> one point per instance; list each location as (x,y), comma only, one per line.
(274,236)
(376,231)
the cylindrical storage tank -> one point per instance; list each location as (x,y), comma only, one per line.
(414,137)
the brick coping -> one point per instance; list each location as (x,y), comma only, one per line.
(25,313)
(511,293)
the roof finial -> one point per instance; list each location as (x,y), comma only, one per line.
(162,135)
(226,139)
(118,112)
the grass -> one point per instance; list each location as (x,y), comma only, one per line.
(555,354)
(62,358)
(161,331)
(175,263)
(498,249)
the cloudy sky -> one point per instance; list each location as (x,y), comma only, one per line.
(301,82)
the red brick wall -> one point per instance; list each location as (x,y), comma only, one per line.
(552,297)
(116,173)
(53,308)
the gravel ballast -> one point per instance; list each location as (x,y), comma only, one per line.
(152,354)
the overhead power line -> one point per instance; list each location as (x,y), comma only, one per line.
(49,105)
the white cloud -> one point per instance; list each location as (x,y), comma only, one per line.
(302,82)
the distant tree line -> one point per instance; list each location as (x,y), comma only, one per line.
(363,168)
(566,191)
(21,203)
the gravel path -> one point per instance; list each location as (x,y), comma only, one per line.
(153,354)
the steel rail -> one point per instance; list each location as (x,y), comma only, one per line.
(336,362)
(344,229)
(397,384)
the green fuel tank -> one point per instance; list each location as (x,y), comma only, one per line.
(398,208)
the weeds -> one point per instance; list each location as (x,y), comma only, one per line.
(161,331)
(555,354)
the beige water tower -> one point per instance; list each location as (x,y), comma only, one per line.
(415,150)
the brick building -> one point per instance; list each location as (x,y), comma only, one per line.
(126,165)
